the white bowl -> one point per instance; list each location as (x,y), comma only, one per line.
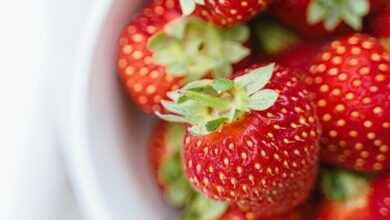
(106,136)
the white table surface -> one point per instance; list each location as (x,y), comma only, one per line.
(37,39)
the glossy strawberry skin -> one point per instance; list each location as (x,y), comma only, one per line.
(380,22)
(235,213)
(380,198)
(230,12)
(299,57)
(265,161)
(350,84)
(146,82)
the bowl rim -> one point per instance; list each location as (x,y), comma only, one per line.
(78,160)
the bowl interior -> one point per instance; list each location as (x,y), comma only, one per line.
(118,132)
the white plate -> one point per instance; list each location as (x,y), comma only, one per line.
(105,151)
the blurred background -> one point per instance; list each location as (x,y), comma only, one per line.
(37,41)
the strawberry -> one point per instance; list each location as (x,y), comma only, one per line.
(235,213)
(165,158)
(166,161)
(316,18)
(300,56)
(224,13)
(245,144)
(350,83)
(353,197)
(160,50)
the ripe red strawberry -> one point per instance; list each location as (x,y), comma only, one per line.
(224,13)
(351,86)
(300,56)
(165,157)
(240,149)
(235,213)
(316,18)
(353,197)
(160,50)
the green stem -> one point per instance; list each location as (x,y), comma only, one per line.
(208,100)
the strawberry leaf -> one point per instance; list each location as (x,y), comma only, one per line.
(208,104)
(203,208)
(171,118)
(187,6)
(263,99)
(332,22)
(256,79)
(352,20)
(198,84)
(316,13)
(359,7)
(221,85)
(194,48)
(235,51)
(176,28)
(214,124)
(333,12)
(206,100)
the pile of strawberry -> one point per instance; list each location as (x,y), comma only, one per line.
(272,109)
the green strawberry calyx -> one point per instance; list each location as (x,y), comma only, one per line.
(208,104)
(333,12)
(344,186)
(177,190)
(188,6)
(203,208)
(192,48)
(273,38)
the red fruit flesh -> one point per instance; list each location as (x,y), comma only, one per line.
(350,83)
(265,161)
(379,23)
(146,82)
(380,198)
(230,12)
